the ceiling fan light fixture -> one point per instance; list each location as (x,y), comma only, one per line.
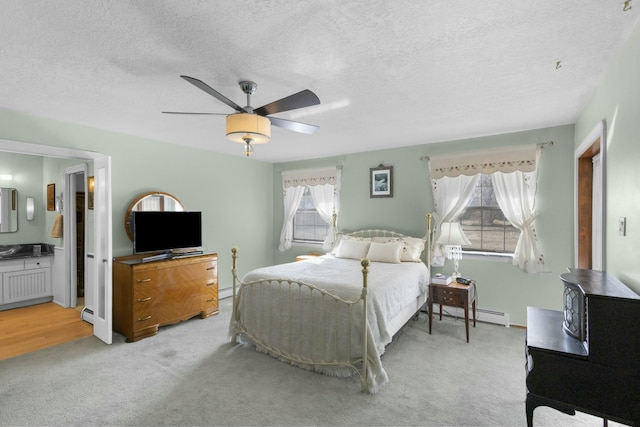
(244,126)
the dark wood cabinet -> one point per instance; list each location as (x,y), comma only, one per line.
(597,375)
(147,295)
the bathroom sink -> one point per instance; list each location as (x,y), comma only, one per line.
(24,250)
(8,250)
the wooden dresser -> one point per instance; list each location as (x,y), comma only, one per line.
(147,295)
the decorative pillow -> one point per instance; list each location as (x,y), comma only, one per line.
(340,237)
(411,250)
(351,248)
(385,252)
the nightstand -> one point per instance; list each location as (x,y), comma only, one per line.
(453,295)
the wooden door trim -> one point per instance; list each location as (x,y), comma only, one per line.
(591,146)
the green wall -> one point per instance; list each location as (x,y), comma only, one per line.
(501,286)
(617,101)
(234,193)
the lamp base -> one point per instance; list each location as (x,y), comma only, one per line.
(456,272)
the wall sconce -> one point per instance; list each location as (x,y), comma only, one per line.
(30,208)
(60,202)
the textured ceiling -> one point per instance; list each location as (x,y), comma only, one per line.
(388,73)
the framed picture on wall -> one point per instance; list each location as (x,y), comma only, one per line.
(381,181)
(51,197)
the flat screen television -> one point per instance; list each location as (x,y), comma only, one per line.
(166,231)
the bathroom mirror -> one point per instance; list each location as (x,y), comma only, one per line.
(8,210)
(153,201)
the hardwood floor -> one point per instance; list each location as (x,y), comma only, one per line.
(23,330)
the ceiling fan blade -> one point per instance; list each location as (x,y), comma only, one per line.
(205,87)
(294,126)
(198,114)
(302,99)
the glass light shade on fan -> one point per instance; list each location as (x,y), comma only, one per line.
(243,126)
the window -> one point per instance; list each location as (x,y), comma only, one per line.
(484,223)
(308,226)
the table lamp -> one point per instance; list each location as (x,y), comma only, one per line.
(453,238)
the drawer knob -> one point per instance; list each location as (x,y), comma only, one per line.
(212,299)
(142,319)
(211,268)
(144,299)
(143,280)
(211,283)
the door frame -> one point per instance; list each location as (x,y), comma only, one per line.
(593,144)
(71,153)
(69,230)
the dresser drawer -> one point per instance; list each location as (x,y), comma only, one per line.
(210,296)
(146,278)
(143,316)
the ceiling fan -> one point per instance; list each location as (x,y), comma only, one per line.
(250,125)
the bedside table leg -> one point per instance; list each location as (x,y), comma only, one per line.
(430,315)
(474,313)
(466,319)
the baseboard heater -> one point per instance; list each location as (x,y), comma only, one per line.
(87,315)
(482,315)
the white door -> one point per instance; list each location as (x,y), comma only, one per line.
(102,316)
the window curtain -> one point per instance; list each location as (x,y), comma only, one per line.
(451,195)
(324,187)
(515,193)
(326,200)
(292,197)
(514,176)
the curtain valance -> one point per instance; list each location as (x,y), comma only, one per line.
(503,159)
(310,177)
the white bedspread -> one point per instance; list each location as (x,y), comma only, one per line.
(391,287)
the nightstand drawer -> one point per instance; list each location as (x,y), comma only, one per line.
(449,296)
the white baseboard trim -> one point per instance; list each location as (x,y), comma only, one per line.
(225,293)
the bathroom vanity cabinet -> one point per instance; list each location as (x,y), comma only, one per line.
(25,281)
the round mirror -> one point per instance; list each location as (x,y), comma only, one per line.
(154,201)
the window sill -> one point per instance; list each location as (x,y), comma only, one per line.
(487,256)
(307,244)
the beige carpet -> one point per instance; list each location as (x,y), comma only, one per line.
(189,374)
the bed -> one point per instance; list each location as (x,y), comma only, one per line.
(311,313)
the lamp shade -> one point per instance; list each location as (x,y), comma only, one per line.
(30,208)
(242,127)
(451,234)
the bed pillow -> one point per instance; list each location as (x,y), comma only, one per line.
(412,250)
(385,252)
(351,248)
(340,237)
(412,247)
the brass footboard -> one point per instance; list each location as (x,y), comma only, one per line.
(303,324)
